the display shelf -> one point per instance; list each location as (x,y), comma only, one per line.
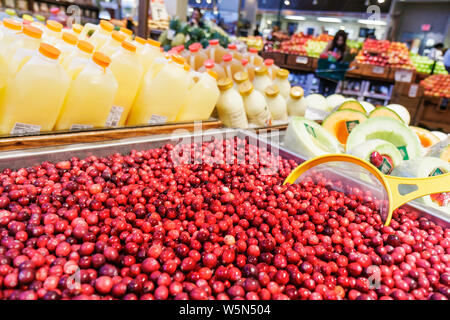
(64,138)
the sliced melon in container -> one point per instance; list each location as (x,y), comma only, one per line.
(367,106)
(335,100)
(401,111)
(384,112)
(422,168)
(440,150)
(384,148)
(317,101)
(352,105)
(342,122)
(427,139)
(309,139)
(441,135)
(384,128)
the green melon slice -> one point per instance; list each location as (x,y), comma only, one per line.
(342,122)
(384,112)
(401,111)
(383,147)
(389,129)
(352,105)
(309,139)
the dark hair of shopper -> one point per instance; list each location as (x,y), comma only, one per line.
(340,34)
(439,46)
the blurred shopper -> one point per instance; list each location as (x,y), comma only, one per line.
(196,18)
(436,54)
(447,60)
(337,49)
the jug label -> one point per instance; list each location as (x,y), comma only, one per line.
(77,126)
(404,152)
(25,128)
(157,119)
(351,125)
(114,116)
(437,172)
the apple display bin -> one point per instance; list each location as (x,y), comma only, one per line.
(30,157)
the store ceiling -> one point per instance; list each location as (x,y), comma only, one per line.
(325,5)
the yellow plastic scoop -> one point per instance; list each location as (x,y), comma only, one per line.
(346,172)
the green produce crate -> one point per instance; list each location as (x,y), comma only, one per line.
(334,71)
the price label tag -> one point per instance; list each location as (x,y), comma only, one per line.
(114,116)
(25,128)
(378,70)
(301,60)
(76,127)
(157,119)
(403,75)
(413,89)
(158,9)
(315,114)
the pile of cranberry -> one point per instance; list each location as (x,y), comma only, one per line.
(139,227)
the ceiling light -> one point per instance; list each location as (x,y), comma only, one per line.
(328,19)
(372,22)
(380,1)
(287,2)
(295,18)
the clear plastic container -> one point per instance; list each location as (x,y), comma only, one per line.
(127,33)
(272,69)
(78,59)
(249,68)
(262,80)
(35,95)
(255,105)
(296,104)
(276,103)
(283,83)
(215,51)
(210,65)
(196,57)
(66,45)
(88,30)
(76,30)
(150,51)
(52,32)
(90,96)
(232,49)
(113,44)
(162,97)
(23,48)
(128,71)
(239,78)
(230,106)
(102,34)
(253,57)
(9,31)
(231,66)
(202,98)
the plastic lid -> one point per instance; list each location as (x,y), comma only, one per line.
(244,62)
(253,50)
(126,31)
(209,64)
(213,74)
(187,67)
(232,46)
(106,25)
(119,37)
(40,17)
(272,91)
(32,32)
(227,58)
(101,59)
(214,42)
(154,43)
(12,24)
(54,10)
(282,73)
(297,92)
(129,46)
(140,40)
(49,51)
(54,25)
(179,49)
(70,38)
(260,71)
(246,88)
(77,28)
(27,17)
(240,77)
(225,84)
(85,46)
(178,59)
(269,62)
(194,47)
(10,12)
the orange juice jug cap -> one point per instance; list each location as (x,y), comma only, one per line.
(225,84)
(187,67)
(77,28)
(49,51)
(128,32)
(140,40)
(253,50)
(154,43)
(260,71)
(209,64)
(214,42)
(272,91)
(119,37)
(106,25)
(129,46)
(297,92)
(85,46)
(232,46)
(54,25)
(32,32)
(227,57)
(269,62)
(246,88)
(12,24)
(283,74)
(194,47)
(213,74)
(240,77)
(179,49)
(70,38)
(178,59)
(101,59)
(244,62)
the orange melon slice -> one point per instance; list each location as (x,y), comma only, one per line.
(427,139)
(342,122)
